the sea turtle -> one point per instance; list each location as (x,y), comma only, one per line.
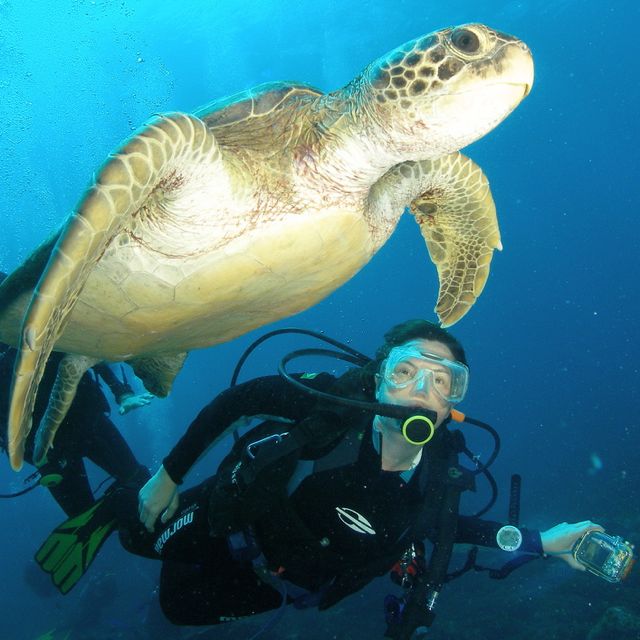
(203,226)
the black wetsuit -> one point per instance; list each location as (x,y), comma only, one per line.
(85,432)
(338,529)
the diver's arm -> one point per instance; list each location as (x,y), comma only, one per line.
(270,395)
(483,532)
(119,388)
(124,395)
(556,541)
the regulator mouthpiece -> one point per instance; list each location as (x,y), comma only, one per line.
(419,428)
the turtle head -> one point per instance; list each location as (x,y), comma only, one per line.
(447,89)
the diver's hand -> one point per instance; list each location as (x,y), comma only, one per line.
(559,540)
(159,495)
(130,402)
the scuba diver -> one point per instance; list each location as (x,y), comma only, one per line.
(86,432)
(343,478)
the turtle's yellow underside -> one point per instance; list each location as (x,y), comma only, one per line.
(170,306)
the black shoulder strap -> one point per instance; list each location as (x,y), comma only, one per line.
(439,470)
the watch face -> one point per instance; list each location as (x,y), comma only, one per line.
(509,538)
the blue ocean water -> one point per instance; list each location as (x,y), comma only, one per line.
(552,342)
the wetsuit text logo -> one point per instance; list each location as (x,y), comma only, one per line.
(183,521)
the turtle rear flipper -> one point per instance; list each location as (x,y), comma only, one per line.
(121,187)
(158,372)
(457,219)
(70,370)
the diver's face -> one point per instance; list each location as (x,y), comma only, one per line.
(428,388)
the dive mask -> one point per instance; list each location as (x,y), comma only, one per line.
(407,365)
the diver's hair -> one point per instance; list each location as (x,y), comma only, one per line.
(364,378)
(414,329)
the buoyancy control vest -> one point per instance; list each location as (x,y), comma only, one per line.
(253,479)
(254,476)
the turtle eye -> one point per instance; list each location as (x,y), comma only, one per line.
(465,40)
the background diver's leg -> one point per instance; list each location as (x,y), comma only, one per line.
(99,440)
(73,493)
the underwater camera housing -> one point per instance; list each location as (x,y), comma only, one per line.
(609,557)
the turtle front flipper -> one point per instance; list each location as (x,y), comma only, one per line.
(24,278)
(457,218)
(147,164)
(451,201)
(17,288)
(70,370)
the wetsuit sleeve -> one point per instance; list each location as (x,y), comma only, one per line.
(483,533)
(267,396)
(117,387)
